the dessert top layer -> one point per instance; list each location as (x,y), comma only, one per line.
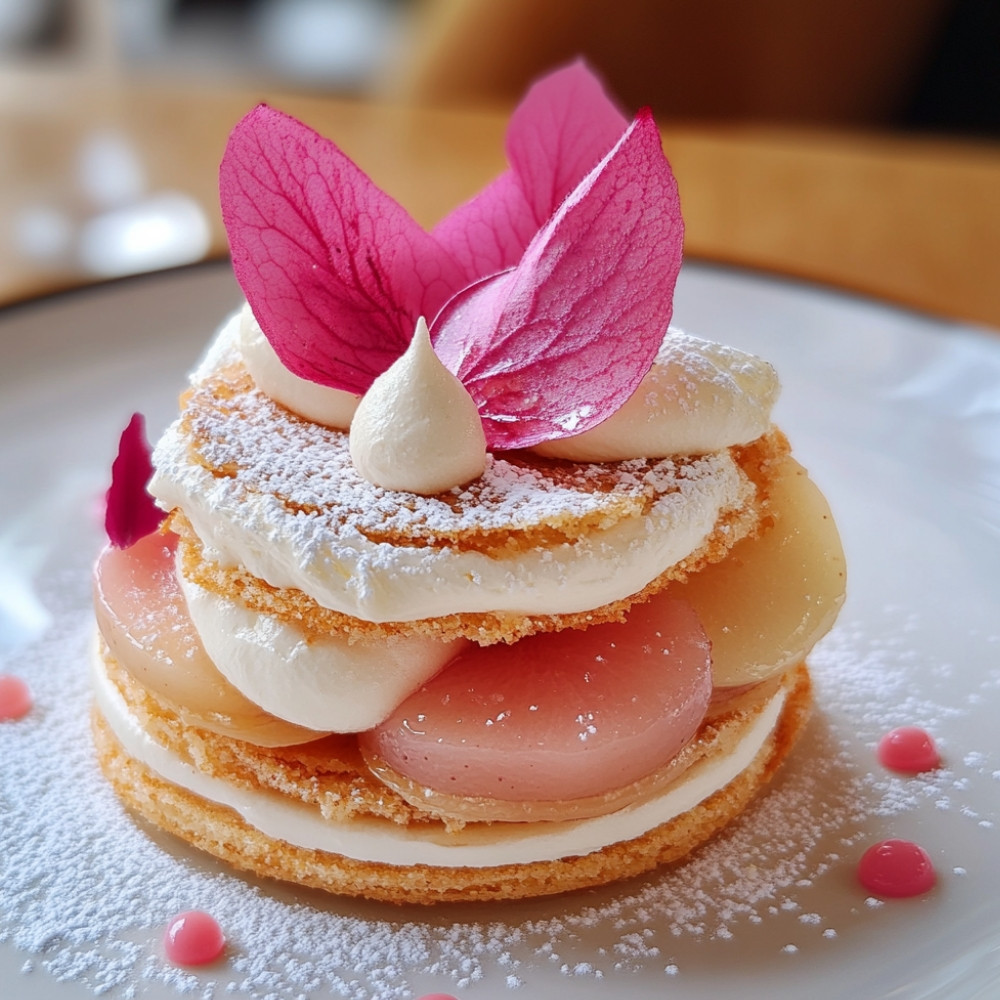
(279,495)
(520,502)
(546,342)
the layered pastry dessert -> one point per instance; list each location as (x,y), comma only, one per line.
(470,576)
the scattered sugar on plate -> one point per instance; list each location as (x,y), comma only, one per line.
(87,891)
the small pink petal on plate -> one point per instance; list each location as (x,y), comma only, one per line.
(335,270)
(557,344)
(131,513)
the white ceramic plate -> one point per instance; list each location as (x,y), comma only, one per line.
(897,416)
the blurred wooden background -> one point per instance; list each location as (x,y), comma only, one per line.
(791,126)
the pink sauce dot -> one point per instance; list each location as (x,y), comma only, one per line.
(436,996)
(15,697)
(908,749)
(897,869)
(193,938)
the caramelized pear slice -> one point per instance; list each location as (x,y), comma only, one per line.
(773,597)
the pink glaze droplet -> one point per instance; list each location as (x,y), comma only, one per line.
(15,697)
(897,869)
(437,996)
(908,749)
(193,938)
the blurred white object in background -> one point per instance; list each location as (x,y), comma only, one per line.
(43,232)
(90,206)
(332,43)
(109,170)
(134,230)
(165,229)
(106,222)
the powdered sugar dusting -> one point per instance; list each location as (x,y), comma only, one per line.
(264,450)
(86,900)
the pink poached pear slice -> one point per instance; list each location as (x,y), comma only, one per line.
(143,617)
(556,716)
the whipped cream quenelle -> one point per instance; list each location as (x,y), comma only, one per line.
(417,429)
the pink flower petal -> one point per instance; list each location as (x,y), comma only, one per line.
(557,344)
(335,270)
(131,513)
(562,128)
(489,233)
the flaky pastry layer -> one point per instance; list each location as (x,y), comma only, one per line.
(293,606)
(273,512)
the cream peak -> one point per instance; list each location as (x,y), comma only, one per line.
(417,429)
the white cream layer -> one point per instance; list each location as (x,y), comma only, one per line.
(311,400)
(698,397)
(382,841)
(327,684)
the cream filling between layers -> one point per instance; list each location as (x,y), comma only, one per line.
(698,397)
(381,841)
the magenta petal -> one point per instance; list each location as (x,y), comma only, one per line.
(131,513)
(556,345)
(335,270)
(489,233)
(559,132)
